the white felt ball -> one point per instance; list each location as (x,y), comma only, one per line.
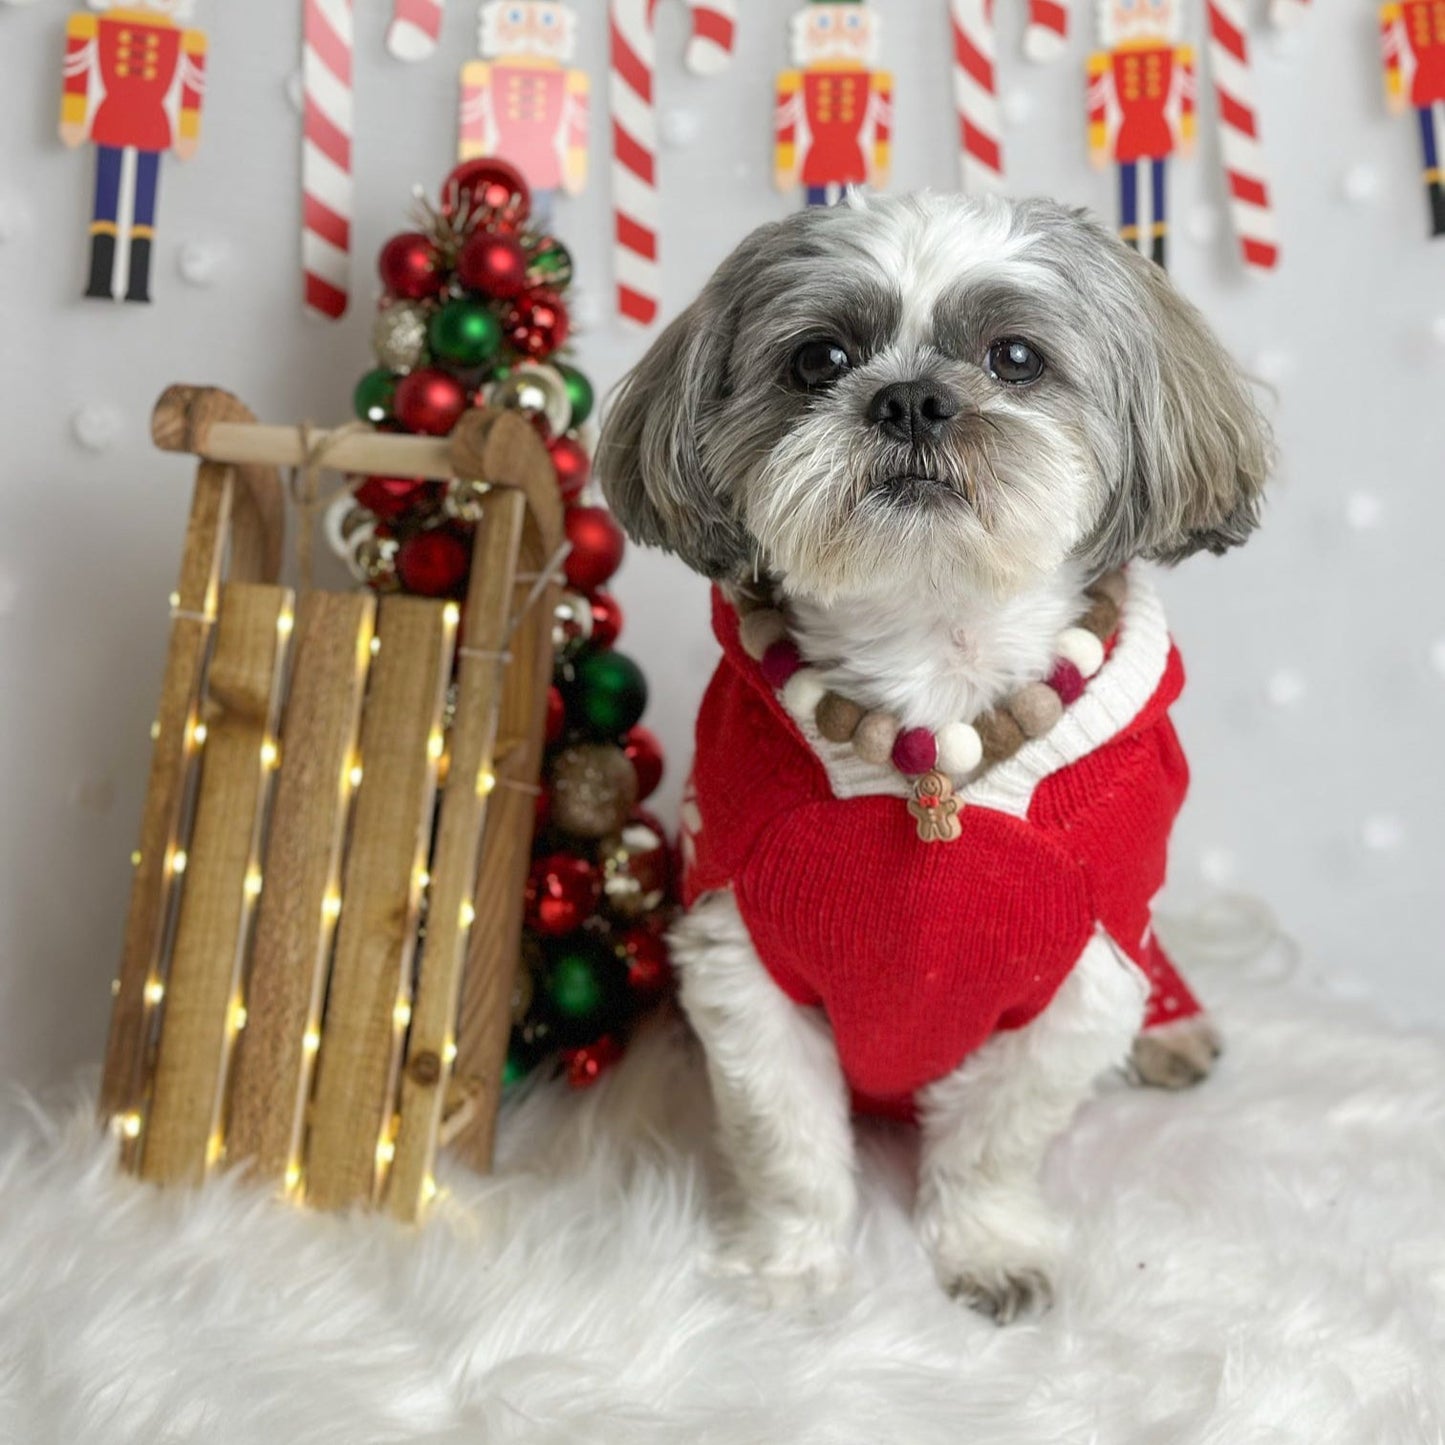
(1382,833)
(960,749)
(1363,510)
(802,692)
(1083,649)
(1359,184)
(97,425)
(1286,688)
(202,262)
(680,127)
(1202,226)
(1017,106)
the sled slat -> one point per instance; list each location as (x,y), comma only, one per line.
(431,1044)
(203,991)
(376,939)
(296,921)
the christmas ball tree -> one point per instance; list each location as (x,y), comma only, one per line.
(474,314)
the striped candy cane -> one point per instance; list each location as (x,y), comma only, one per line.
(416,26)
(1047,31)
(634,136)
(1250,212)
(326,184)
(975,95)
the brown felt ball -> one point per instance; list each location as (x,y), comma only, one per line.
(873,742)
(1002,737)
(1113,585)
(1035,708)
(837,718)
(759,630)
(1102,618)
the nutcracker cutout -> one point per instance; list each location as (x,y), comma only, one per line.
(522,102)
(1413,34)
(134,81)
(834,111)
(1141,110)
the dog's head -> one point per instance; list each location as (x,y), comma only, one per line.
(934,391)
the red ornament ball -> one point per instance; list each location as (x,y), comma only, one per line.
(430,402)
(495,265)
(586,1065)
(606,619)
(644,752)
(573,466)
(536,324)
(411,267)
(488,189)
(388,498)
(642,949)
(562,891)
(597,546)
(433,564)
(556,714)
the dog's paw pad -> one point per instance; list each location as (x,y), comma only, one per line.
(1004,1296)
(1176,1056)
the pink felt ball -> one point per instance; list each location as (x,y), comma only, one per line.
(915,750)
(1067,681)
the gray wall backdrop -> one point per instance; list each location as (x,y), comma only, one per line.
(1316,702)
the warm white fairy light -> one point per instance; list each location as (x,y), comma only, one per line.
(198,733)
(401,1014)
(435,745)
(375,646)
(215,1147)
(354,775)
(175,600)
(311,1040)
(451,614)
(135,858)
(449,1051)
(253,883)
(293,1176)
(467,915)
(428,1189)
(331,906)
(155,991)
(238,1016)
(129,1125)
(270,754)
(179,861)
(385,1151)
(423,879)
(486,781)
(115,988)
(285,622)
(155,730)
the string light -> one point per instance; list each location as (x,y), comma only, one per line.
(385,1152)
(311,1040)
(129,1125)
(175,600)
(486,781)
(215,1147)
(467,914)
(293,1176)
(435,745)
(253,883)
(155,729)
(135,857)
(375,646)
(355,775)
(423,879)
(401,1014)
(285,622)
(451,614)
(449,1051)
(331,906)
(179,861)
(155,991)
(238,1017)
(270,754)
(198,733)
(428,1189)
(115,988)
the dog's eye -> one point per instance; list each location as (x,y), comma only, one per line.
(817,363)
(1014,361)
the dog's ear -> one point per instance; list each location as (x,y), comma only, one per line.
(650,456)
(1197,451)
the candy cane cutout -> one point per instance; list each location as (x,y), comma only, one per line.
(416,26)
(634,136)
(1047,31)
(975,96)
(326,184)
(1250,213)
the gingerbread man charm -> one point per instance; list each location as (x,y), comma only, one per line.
(935,808)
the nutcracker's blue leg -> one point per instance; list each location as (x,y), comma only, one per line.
(1434,179)
(1129,202)
(103,223)
(1160,227)
(143,225)
(817,196)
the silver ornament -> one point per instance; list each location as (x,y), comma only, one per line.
(464,499)
(571,621)
(374,562)
(539,390)
(399,336)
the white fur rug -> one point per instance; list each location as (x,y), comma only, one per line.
(1261,1260)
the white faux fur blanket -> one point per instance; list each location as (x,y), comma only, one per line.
(1259,1260)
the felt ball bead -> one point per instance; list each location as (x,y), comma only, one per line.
(597,546)
(572,465)
(803,692)
(759,630)
(960,749)
(608,693)
(1036,708)
(433,564)
(915,751)
(606,619)
(411,267)
(1102,618)
(837,718)
(430,402)
(464,333)
(375,396)
(644,752)
(1000,735)
(1067,681)
(1081,648)
(536,324)
(579,393)
(495,265)
(873,742)
(780,662)
(562,890)
(1113,585)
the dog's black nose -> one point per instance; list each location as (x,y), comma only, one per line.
(912,411)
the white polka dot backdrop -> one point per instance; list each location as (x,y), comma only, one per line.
(1363,510)
(1383,833)
(202,262)
(97,425)
(679,127)
(1202,225)
(1016,105)
(1360,184)
(1286,688)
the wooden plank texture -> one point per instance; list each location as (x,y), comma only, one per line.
(376,937)
(431,1044)
(202,991)
(124,1076)
(295,923)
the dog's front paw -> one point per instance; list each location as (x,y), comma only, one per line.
(995,1253)
(1177,1055)
(782,1259)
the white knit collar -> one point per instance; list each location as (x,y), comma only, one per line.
(1114,698)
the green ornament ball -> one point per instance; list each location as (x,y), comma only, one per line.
(607,695)
(374,396)
(584,987)
(579,393)
(465,333)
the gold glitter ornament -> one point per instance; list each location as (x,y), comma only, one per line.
(594,788)
(463,499)
(635,869)
(398,336)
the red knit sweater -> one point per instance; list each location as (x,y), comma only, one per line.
(919,952)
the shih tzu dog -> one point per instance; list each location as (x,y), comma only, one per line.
(915,442)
